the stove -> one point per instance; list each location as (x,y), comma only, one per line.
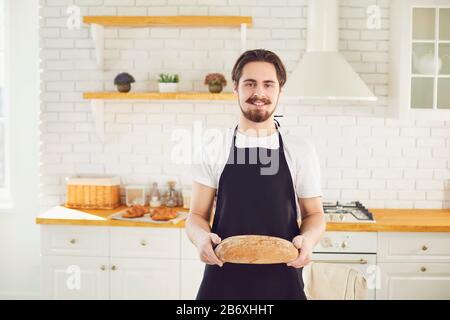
(353,212)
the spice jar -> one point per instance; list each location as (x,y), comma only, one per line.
(172,199)
(155,195)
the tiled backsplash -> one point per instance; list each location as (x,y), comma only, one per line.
(364,154)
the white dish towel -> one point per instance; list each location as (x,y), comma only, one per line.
(331,281)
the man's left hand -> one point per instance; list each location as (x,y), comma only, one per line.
(305,248)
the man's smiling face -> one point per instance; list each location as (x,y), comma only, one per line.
(258,90)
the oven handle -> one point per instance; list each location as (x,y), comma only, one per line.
(360,261)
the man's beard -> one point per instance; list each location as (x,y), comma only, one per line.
(257,115)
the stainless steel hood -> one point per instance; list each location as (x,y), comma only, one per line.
(323,73)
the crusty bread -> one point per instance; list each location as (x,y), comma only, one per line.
(255,249)
(163,214)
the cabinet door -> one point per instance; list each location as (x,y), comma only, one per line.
(191,277)
(152,279)
(414,281)
(152,243)
(67,277)
(85,241)
(413,247)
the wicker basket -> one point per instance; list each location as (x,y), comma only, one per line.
(93,192)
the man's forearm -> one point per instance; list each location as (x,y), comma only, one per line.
(196,227)
(313,227)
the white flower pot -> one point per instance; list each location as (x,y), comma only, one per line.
(167,87)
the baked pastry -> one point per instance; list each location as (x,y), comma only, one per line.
(163,214)
(256,249)
(136,211)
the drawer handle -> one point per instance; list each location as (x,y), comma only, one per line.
(424,248)
(73,241)
(360,261)
(103,268)
(113,268)
(143,243)
(423,269)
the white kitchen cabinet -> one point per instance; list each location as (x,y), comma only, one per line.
(145,242)
(191,277)
(420,59)
(74,241)
(150,279)
(417,281)
(414,265)
(192,269)
(66,277)
(85,262)
(414,247)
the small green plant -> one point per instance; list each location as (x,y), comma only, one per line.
(168,78)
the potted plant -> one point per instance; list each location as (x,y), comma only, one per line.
(123,82)
(215,82)
(168,82)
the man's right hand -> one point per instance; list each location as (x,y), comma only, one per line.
(206,251)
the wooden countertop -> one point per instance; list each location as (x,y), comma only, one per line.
(400,220)
(387,220)
(108,221)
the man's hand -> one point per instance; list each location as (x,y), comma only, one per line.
(305,248)
(206,251)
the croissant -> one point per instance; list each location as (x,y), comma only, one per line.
(163,214)
(136,211)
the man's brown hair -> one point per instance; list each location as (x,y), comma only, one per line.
(259,55)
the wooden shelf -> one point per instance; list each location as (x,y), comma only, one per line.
(98,24)
(142,21)
(159,96)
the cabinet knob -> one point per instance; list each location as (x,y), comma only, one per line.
(423,269)
(113,268)
(143,243)
(424,248)
(326,243)
(103,268)
(73,241)
(344,244)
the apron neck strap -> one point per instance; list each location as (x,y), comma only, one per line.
(277,126)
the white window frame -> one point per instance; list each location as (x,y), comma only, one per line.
(6,201)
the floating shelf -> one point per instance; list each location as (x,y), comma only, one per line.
(98,24)
(159,96)
(143,21)
(98,101)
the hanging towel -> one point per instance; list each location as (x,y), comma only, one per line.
(330,281)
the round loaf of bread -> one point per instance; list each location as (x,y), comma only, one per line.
(256,249)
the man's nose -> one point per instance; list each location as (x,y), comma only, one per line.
(259,91)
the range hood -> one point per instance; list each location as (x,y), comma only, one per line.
(323,73)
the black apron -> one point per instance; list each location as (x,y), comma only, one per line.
(251,203)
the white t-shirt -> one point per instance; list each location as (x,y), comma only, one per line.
(300,154)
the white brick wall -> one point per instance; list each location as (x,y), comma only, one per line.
(364,156)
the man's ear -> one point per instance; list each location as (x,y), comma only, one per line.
(235,87)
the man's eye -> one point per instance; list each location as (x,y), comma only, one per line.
(269,85)
(249,84)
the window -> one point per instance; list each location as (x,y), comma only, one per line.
(4,119)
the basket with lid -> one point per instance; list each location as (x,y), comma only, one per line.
(93,192)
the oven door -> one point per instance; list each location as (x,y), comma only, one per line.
(364,263)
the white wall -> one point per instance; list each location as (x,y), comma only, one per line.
(365,156)
(19,235)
